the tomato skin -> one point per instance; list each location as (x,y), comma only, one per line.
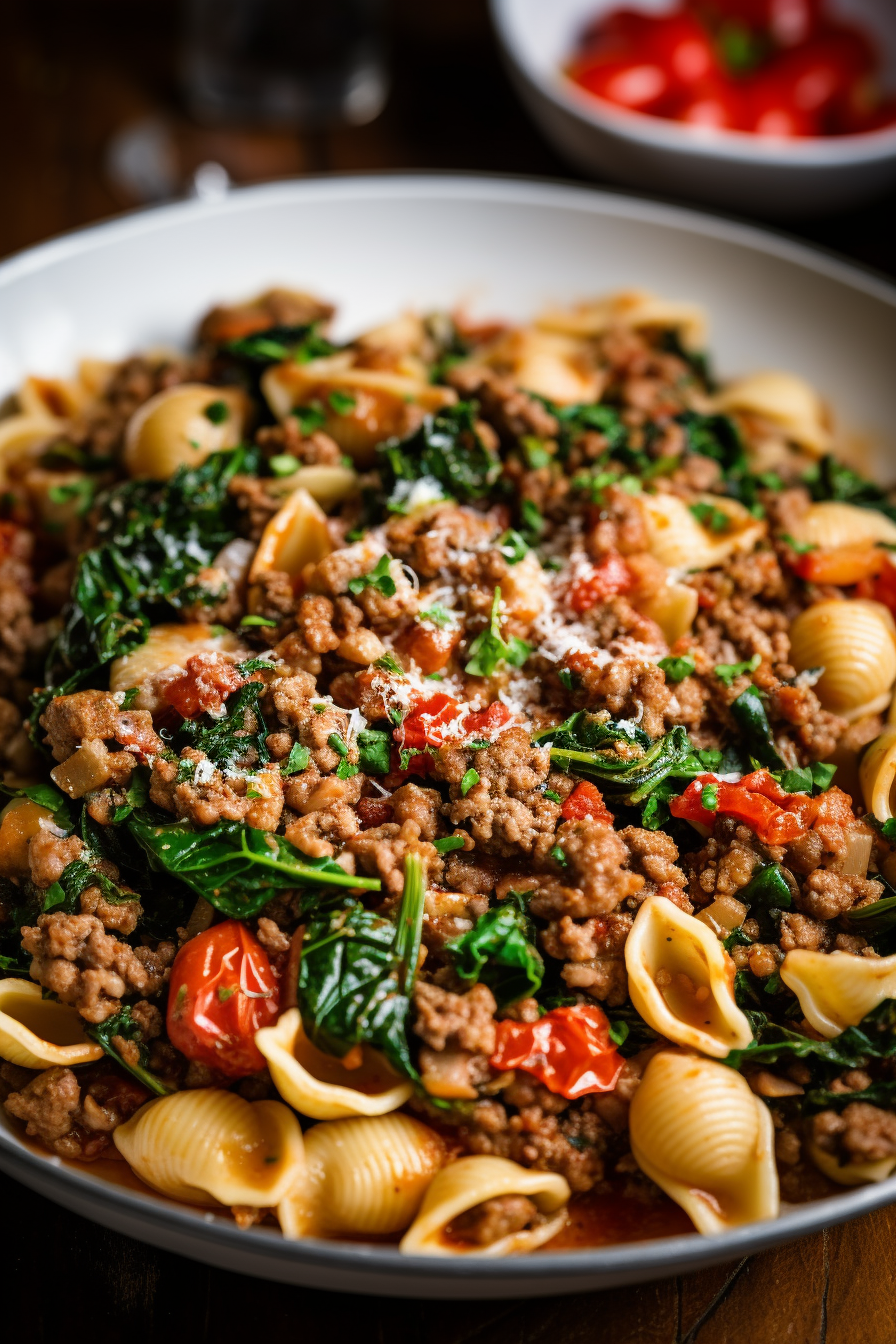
(715,103)
(586,800)
(802,87)
(611,575)
(882,587)
(222,989)
(748,801)
(569,1050)
(485,722)
(786,22)
(843,567)
(205,683)
(427,723)
(429,648)
(639,85)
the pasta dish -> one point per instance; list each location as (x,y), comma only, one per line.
(448,779)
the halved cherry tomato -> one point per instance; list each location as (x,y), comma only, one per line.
(611,575)
(204,684)
(569,1050)
(586,800)
(843,567)
(427,723)
(772,823)
(485,722)
(222,989)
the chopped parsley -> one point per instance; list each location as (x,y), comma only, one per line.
(728,671)
(513,546)
(378,577)
(296,761)
(257,620)
(557,854)
(438,615)
(710,517)
(469,779)
(800,547)
(217,412)
(447,843)
(389,663)
(489,648)
(676,669)
(343,403)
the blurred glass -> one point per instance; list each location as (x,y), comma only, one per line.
(285,62)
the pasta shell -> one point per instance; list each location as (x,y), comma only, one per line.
(319,1085)
(555,365)
(206,1146)
(20,821)
(37,1033)
(328,485)
(681,980)
(22,436)
(698,1131)
(678,540)
(673,608)
(788,401)
(837,989)
(877,775)
(855,643)
(296,536)
(169,646)
(470,1181)
(362,1177)
(375,400)
(635,308)
(850,1173)
(173,429)
(832,525)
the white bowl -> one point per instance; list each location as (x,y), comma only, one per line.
(754,173)
(376,245)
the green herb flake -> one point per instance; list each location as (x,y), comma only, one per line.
(129,696)
(345,770)
(284,464)
(257,620)
(226,992)
(296,761)
(439,616)
(710,517)
(217,412)
(799,547)
(374,751)
(378,578)
(513,546)
(551,796)
(557,854)
(448,843)
(535,453)
(470,778)
(676,669)
(389,663)
(728,671)
(489,648)
(336,741)
(343,403)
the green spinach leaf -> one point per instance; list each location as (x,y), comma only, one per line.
(500,951)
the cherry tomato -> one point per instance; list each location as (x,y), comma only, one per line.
(881,588)
(586,800)
(611,575)
(786,22)
(683,46)
(772,823)
(795,92)
(429,648)
(486,722)
(640,86)
(569,1050)
(717,103)
(843,567)
(427,723)
(222,989)
(204,684)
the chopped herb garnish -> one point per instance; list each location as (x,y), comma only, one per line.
(296,761)
(389,663)
(513,546)
(343,403)
(284,464)
(800,547)
(257,620)
(728,671)
(447,843)
(470,778)
(438,615)
(374,751)
(557,854)
(489,648)
(379,578)
(217,412)
(710,517)
(676,669)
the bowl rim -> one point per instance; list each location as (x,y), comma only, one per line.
(558,1271)
(818,152)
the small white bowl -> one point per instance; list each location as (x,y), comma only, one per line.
(731,168)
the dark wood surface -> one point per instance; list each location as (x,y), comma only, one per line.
(74,73)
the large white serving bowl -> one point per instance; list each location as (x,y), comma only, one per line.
(377,245)
(756,174)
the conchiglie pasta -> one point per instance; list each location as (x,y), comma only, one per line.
(363,1177)
(178,427)
(832,525)
(877,775)
(170,645)
(698,1131)
(551,364)
(37,1033)
(327,484)
(296,536)
(20,821)
(789,402)
(850,1173)
(855,643)
(673,607)
(635,308)
(679,540)
(24,436)
(681,980)
(469,1182)
(319,1085)
(208,1146)
(837,989)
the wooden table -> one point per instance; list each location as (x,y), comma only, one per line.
(73,75)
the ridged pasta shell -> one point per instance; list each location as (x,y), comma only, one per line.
(172,429)
(855,642)
(296,536)
(673,607)
(363,1177)
(832,525)
(206,1146)
(169,645)
(635,308)
(24,435)
(319,1085)
(698,1131)
(20,821)
(470,1181)
(681,980)
(37,1033)
(328,485)
(679,541)
(850,1173)
(877,775)
(788,401)
(837,989)
(379,399)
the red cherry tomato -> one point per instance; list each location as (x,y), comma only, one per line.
(611,575)
(640,86)
(569,1050)
(427,723)
(881,588)
(586,800)
(797,90)
(772,823)
(486,722)
(842,567)
(717,103)
(222,989)
(786,22)
(683,46)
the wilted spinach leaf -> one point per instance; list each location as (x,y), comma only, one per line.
(447,452)
(500,951)
(239,732)
(122,1024)
(749,714)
